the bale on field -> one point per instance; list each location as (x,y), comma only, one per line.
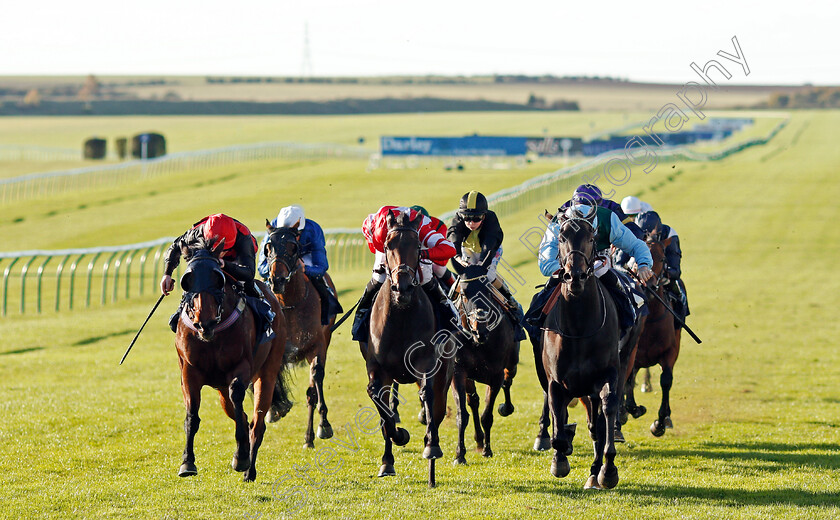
(155,145)
(95,148)
(121,144)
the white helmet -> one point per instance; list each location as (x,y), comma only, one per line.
(291,216)
(631,205)
(646,207)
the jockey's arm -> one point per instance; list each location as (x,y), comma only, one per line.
(623,238)
(318,252)
(673,258)
(262,265)
(243,266)
(549,250)
(438,248)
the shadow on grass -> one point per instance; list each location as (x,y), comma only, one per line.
(21,351)
(95,339)
(761,452)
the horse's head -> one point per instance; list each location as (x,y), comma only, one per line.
(203,283)
(402,255)
(576,248)
(282,252)
(657,253)
(482,313)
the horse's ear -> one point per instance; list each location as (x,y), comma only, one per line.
(390,220)
(548,216)
(268,226)
(217,249)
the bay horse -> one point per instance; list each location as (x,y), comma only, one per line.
(658,344)
(403,346)
(216,343)
(306,338)
(490,357)
(580,353)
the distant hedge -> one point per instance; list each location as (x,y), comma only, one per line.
(335,107)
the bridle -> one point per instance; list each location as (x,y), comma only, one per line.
(473,315)
(589,260)
(201,259)
(402,268)
(283,236)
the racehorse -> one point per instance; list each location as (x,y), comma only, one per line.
(658,344)
(490,357)
(580,353)
(306,337)
(216,343)
(403,346)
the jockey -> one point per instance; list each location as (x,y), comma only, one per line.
(440,271)
(477,235)
(610,231)
(591,195)
(434,247)
(652,225)
(237,261)
(312,252)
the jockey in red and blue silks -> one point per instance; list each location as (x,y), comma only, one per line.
(434,249)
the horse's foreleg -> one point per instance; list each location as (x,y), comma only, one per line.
(263,393)
(507,408)
(487,415)
(395,402)
(666,380)
(191,388)
(609,397)
(375,391)
(557,403)
(459,393)
(236,393)
(429,398)
(543,440)
(473,402)
(318,370)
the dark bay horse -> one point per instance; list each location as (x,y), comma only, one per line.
(490,357)
(403,346)
(306,338)
(658,344)
(580,353)
(216,344)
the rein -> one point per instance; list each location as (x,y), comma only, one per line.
(230,320)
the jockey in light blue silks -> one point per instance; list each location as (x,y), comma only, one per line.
(313,253)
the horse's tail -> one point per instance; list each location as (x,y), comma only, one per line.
(281,401)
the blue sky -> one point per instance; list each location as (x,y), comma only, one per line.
(785,43)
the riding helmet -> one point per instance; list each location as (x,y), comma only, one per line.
(588,194)
(220,226)
(631,205)
(291,215)
(473,204)
(421,210)
(650,222)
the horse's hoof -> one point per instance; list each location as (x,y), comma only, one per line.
(402,437)
(240,464)
(668,423)
(618,436)
(309,444)
(505,409)
(459,461)
(638,411)
(623,415)
(249,476)
(608,479)
(272,416)
(542,444)
(657,429)
(422,417)
(187,469)
(387,470)
(592,483)
(432,452)
(646,388)
(560,468)
(325,431)
(573,403)
(487,452)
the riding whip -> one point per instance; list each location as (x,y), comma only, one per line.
(680,322)
(346,315)
(141,328)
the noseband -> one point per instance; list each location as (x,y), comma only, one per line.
(403,268)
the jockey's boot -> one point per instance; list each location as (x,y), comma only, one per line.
(500,285)
(447,280)
(363,310)
(326,295)
(263,308)
(173,320)
(624,302)
(435,293)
